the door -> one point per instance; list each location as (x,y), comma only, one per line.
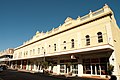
(93,69)
(67,68)
(96,69)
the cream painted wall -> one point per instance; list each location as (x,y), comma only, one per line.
(88,29)
(116,42)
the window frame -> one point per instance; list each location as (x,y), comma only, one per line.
(87,40)
(72,43)
(100,37)
(64,42)
(55,47)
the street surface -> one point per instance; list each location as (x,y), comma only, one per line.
(17,75)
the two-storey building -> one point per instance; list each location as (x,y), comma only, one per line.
(85,46)
(5,56)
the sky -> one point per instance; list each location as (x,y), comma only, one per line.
(20,19)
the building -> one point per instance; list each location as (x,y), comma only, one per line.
(6,55)
(85,46)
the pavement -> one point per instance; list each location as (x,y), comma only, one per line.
(11,73)
(65,77)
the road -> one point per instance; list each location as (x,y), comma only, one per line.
(17,75)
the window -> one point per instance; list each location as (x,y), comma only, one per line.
(64,44)
(38,50)
(19,55)
(62,68)
(54,47)
(86,66)
(33,51)
(100,38)
(75,68)
(49,48)
(97,66)
(26,52)
(43,50)
(72,43)
(30,52)
(87,40)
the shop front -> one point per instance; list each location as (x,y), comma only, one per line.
(80,64)
(94,63)
(69,66)
(95,66)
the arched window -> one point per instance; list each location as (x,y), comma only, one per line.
(100,38)
(38,50)
(64,44)
(87,40)
(72,43)
(30,52)
(33,51)
(54,47)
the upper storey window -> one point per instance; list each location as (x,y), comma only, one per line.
(33,51)
(87,40)
(30,52)
(72,43)
(54,47)
(64,44)
(38,50)
(100,38)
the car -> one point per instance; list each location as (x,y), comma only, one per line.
(1,69)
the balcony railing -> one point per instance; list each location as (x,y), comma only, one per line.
(98,12)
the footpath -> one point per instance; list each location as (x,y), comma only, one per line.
(64,77)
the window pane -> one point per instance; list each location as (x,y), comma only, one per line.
(87,40)
(72,42)
(100,39)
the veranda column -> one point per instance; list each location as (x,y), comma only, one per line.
(91,70)
(21,65)
(34,66)
(80,67)
(58,66)
(12,65)
(27,66)
(39,67)
(16,65)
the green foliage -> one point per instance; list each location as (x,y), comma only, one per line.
(45,65)
(110,69)
(50,64)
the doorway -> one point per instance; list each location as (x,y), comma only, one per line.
(96,69)
(68,69)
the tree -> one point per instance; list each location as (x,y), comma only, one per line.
(45,65)
(110,69)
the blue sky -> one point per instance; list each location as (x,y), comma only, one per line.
(20,19)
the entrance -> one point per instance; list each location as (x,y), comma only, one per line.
(96,69)
(67,68)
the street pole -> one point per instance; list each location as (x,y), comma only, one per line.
(9,63)
(43,59)
(44,56)
(43,53)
